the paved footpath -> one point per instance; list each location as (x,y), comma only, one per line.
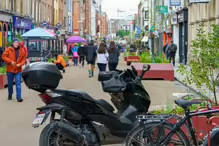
(16,118)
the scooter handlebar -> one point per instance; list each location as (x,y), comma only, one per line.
(146,67)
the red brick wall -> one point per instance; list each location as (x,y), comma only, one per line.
(76,17)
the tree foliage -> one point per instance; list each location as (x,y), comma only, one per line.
(121,33)
(203,67)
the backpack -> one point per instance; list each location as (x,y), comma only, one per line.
(172,48)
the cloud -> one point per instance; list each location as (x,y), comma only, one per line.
(111,6)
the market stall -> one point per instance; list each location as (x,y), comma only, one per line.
(39,40)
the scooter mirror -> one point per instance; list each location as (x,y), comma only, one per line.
(146,67)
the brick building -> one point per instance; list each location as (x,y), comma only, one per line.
(76,16)
(87,20)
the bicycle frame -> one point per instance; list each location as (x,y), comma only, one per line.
(187,118)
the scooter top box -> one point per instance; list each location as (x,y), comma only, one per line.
(41,76)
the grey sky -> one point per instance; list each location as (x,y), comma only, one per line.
(111,7)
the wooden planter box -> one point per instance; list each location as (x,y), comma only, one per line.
(131,59)
(200,124)
(161,71)
(3,81)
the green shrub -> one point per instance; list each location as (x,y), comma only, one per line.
(51,60)
(146,57)
(174,109)
(161,59)
(3,70)
(65,58)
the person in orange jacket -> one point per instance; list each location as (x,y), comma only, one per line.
(15,58)
(60,62)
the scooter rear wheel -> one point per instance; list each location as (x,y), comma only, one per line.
(49,137)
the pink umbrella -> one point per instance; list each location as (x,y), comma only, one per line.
(75,39)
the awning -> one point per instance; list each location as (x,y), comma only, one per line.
(145,39)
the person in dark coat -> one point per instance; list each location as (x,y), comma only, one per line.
(113,56)
(90,57)
(82,53)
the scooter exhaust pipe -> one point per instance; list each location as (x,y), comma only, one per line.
(70,133)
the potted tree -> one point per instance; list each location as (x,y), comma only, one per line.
(202,70)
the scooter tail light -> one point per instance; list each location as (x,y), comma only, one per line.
(45,97)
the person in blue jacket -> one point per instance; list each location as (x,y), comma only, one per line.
(75,54)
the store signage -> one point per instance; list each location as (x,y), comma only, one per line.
(199,1)
(22,23)
(175,2)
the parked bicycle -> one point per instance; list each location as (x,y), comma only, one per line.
(46,54)
(158,131)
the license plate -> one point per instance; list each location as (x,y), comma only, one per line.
(38,120)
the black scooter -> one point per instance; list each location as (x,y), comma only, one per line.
(84,121)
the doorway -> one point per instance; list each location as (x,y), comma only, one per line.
(181,43)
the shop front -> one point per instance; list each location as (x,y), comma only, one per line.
(22,25)
(5,28)
(182,20)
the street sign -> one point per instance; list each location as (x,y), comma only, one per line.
(58,33)
(162,9)
(199,1)
(175,2)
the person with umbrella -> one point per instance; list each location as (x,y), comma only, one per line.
(75,54)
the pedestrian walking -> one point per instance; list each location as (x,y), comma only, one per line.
(90,57)
(65,50)
(15,57)
(75,54)
(60,62)
(102,57)
(113,56)
(171,52)
(82,52)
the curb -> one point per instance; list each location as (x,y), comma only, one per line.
(191,88)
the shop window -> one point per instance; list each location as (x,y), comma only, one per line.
(32,46)
(5,28)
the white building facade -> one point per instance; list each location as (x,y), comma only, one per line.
(93,20)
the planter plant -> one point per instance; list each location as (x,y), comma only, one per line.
(3,70)
(3,77)
(51,60)
(147,58)
(202,69)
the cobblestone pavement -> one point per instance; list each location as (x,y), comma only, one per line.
(16,118)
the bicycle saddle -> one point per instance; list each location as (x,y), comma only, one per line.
(186,103)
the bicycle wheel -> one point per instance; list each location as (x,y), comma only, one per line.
(152,133)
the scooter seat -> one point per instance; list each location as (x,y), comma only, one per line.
(105,104)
